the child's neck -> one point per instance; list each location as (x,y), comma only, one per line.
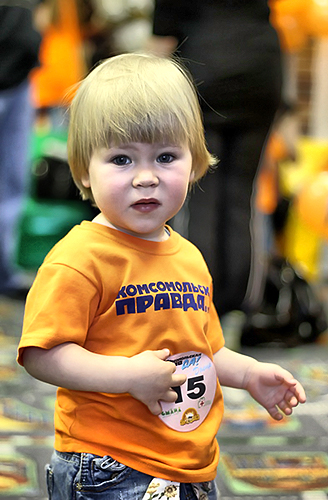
(162,236)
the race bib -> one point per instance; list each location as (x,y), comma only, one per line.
(195,396)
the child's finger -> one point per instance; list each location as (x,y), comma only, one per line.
(178,379)
(294,386)
(285,407)
(293,401)
(155,408)
(275,413)
(170,397)
(162,353)
(299,393)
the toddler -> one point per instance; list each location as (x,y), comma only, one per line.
(120,316)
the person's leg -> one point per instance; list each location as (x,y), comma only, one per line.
(234,229)
(16,118)
(220,212)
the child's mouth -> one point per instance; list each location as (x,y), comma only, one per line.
(146,205)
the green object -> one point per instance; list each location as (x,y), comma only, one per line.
(47,217)
(43,224)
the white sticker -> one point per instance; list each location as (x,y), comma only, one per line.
(195,396)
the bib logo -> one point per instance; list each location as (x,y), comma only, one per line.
(133,299)
(189,416)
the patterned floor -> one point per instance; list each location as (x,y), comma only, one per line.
(260,459)
(263,459)
(26,416)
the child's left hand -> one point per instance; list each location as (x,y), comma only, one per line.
(274,388)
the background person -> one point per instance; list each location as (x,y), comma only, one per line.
(234,55)
(19,49)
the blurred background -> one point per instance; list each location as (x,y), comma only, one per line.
(286,317)
(292,181)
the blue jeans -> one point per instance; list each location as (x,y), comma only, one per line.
(82,476)
(16,121)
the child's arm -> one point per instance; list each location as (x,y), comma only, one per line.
(269,384)
(146,376)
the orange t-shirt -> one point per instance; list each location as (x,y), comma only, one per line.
(115,294)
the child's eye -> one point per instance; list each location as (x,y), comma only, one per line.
(121,160)
(165,158)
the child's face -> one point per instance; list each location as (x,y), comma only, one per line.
(139,186)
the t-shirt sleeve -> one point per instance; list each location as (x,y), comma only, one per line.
(60,307)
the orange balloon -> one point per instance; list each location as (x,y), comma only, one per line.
(312,204)
(291,33)
(289,7)
(289,19)
(317,18)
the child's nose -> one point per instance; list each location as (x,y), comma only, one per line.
(145,177)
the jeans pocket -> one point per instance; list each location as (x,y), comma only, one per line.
(49,480)
(100,474)
(107,470)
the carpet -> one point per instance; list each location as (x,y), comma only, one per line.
(260,458)
(265,459)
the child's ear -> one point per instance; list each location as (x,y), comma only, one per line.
(85,179)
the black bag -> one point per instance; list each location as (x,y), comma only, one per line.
(52,180)
(290,314)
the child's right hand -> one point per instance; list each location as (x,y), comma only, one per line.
(146,376)
(152,379)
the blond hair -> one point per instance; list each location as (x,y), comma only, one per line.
(135,98)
